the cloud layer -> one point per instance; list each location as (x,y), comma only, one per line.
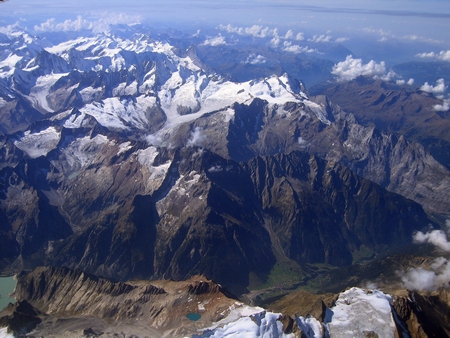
(438,273)
(352,68)
(215,41)
(197,138)
(101,25)
(439,88)
(442,55)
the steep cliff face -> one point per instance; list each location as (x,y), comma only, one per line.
(174,213)
(307,200)
(423,314)
(395,110)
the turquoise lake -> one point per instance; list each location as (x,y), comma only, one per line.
(194,316)
(7,285)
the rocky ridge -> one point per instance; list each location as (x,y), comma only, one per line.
(47,296)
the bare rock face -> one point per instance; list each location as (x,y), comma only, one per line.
(394,110)
(101,305)
(20,318)
(159,213)
(424,314)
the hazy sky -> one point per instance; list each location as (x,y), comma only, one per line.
(423,23)
(427,19)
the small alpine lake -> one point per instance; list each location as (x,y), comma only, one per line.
(194,316)
(7,286)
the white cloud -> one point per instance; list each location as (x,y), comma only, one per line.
(420,38)
(289,47)
(390,76)
(320,38)
(101,25)
(401,82)
(339,40)
(352,68)
(438,273)
(197,137)
(435,237)
(255,59)
(275,41)
(442,55)
(376,31)
(153,140)
(440,87)
(215,41)
(383,39)
(299,37)
(215,169)
(421,279)
(445,106)
(302,142)
(289,34)
(256,31)
(11,29)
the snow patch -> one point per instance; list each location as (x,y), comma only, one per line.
(248,322)
(115,113)
(318,111)
(81,151)
(39,92)
(40,143)
(310,327)
(358,310)
(146,157)
(89,94)
(123,147)
(7,65)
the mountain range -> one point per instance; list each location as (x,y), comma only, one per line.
(129,158)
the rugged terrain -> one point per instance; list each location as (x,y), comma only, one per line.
(131,158)
(126,157)
(57,302)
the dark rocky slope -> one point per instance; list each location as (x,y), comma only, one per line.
(203,215)
(395,110)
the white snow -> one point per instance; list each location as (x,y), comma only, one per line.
(318,111)
(214,94)
(122,114)
(124,89)
(5,334)
(40,143)
(359,310)
(88,94)
(247,322)
(123,147)
(310,327)
(146,158)
(7,65)
(81,151)
(39,92)
(74,121)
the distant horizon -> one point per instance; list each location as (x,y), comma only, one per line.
(427,20)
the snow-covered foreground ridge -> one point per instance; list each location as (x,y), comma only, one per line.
(118,81)
(357,313)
